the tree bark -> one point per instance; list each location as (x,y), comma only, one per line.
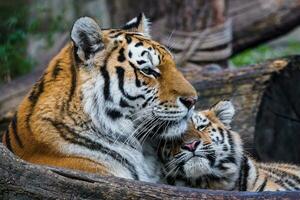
(21,180)
(256,22)
(196,30)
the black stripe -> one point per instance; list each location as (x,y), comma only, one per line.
(138,36)
(211,157)
(73,85)
(231,159)
(56,71)
(279,173)
(105,75)
(137,81)
(222,134)
(69,134)
(76,57)
(262,186)
(143,52)
(37,90)
(140,62)
(159,59)
(128,39)
(85,44)
(124,104)
(244,173)
(138,44)
(120,72)
(106,91)
(147,101)
(130,54)
(14,126)
(7,141)
(294,186)
(116,35)
(121,57)
(114,114)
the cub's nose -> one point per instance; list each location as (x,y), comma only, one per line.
(188,102)
(191,146)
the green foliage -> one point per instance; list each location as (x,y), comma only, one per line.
(16,28)
(13,59)
(264,52)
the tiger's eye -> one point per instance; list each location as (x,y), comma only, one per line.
(146,71)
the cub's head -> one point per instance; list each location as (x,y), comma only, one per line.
(130,83)
(209,149)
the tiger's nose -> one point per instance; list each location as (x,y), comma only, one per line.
(188,102)
(191,146)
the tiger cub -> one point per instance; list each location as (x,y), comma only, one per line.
(211,156)
(96,99)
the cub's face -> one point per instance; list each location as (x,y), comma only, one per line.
(208,149)
(130,81)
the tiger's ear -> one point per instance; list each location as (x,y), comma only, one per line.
(139,24)
(87,37)
(224,111)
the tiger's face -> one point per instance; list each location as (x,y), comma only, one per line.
(130,83)
(208,149)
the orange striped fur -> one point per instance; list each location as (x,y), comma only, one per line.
(211,156)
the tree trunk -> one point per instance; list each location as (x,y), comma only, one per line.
(256,21)
(197,31)
(20,180)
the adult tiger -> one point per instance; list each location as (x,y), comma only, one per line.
(84,111)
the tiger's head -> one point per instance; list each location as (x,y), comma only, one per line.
(129,81)
(209,150)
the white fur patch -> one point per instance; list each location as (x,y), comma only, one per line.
(197,167)
(225,111)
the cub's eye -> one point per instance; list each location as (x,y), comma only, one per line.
(150,72)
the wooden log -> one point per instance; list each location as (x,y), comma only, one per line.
(21,180)
(256,21)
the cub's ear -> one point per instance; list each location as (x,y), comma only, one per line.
(224,111)
(86,35)
(139,24)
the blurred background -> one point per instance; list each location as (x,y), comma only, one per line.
(217,45)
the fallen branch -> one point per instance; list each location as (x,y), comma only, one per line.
(20,180)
